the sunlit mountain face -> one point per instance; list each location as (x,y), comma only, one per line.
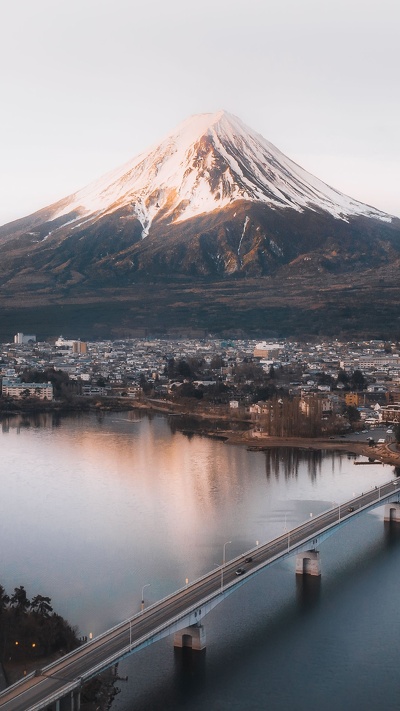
(213,200)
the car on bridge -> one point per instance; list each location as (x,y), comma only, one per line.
(240,571)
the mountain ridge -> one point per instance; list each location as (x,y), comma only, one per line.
(213,200)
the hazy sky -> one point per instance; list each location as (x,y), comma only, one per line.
(85,85)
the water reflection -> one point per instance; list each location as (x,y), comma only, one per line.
(113,501)
(289,461)
(37,420)
(190,425)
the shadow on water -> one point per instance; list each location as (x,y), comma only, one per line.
(391,534)
(308,592)
(189,670)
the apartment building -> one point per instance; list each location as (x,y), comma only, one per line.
(14,388)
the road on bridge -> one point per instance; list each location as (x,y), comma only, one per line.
(35,692)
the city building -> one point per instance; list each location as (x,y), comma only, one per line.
(267,350)
(352,399)
(14,388)
(71,346)
(390,413)
(24,338)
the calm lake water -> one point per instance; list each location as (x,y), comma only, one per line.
(92,508)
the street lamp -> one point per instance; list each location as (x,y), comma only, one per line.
(338,506)
(287,532)
(142,603)
(223,564)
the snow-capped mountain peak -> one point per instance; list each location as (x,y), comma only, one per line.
(208,162)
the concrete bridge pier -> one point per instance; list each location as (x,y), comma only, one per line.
(392,512)
(75,700)
(71,702)
(193,636)
(308,563)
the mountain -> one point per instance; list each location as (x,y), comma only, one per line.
(213,202)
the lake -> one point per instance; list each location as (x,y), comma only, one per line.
(95,507)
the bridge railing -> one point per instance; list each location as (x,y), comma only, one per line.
(232,584)
(202,578)
(53,697)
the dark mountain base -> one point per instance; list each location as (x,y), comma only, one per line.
(265,307)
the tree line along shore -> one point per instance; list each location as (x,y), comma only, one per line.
(32,635)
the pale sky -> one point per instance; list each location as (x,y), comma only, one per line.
(85,85)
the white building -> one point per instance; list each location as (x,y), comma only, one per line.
(270,351)
(66,346)
(21,338)
(16,389)
(390,413)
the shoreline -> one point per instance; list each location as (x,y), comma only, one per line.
(261,443)
(382,453)
(216,426)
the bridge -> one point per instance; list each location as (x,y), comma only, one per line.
(57,686)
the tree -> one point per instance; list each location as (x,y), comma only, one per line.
(343,377)
(352,413)
(324,379)
(189,390)
(146,386)
(249,371)
(170,368)
(184,369)
(41,605)
(36,632)
(217,362)
(263,392)
(56,634)
(19,600)
(357,380)
(4,599)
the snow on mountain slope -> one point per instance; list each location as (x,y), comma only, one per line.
(207,163)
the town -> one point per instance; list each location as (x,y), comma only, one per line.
(281,389)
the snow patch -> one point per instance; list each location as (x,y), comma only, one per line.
(275,248)
(246,222)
